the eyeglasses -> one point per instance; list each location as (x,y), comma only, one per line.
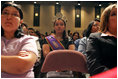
(96,25)
(12,14)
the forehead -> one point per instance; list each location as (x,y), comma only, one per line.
(76,34)
(59,21)
(31,30)
(96,22)
(10,8)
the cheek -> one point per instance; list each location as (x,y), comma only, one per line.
(113,22)
(16,22)
(63,27)
(2,20)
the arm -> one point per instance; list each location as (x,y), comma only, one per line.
(17,64)
(82,45)
(46,49)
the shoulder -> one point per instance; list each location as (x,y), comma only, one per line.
(95,35)
(83,39)
(77,41)
(28,38)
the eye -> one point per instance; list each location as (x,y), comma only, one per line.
(61,24)
(56,24)
(5,13)
(15,14)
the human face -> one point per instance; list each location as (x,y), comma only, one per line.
(10,19)
(75,37)
(95,27)
(59,26)
(31,32)
(112,24)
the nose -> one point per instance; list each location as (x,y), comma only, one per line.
(9,16)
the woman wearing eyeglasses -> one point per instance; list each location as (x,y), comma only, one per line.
(92,28)
(18,51)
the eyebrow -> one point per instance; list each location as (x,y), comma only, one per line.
(13,10)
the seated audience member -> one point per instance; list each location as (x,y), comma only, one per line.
(58,41)
(76,39)
(102,46)
(31,32)
(18,51)
(92,28)
(75,36)
(24,28)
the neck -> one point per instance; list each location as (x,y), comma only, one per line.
(109,33)
(9,35)
(58,36)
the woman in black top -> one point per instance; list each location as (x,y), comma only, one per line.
(102,46)
(60,35)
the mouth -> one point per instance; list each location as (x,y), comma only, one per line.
(8,23)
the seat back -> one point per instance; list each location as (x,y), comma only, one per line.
(61,60)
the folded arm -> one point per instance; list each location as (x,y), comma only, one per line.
(18,64)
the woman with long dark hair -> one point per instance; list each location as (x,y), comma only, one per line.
(92,28)
(58,41)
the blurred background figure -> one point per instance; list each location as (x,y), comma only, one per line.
(24,27)
(92,28)
(75,36)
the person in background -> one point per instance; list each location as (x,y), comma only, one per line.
(76,39)
(75,36)
(60,35)
(24,27)
(102,46)
(31,32)
(92,28)
(18,51)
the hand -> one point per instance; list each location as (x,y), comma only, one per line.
(23,53)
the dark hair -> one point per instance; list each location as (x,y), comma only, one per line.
(96,19)
(31,29)
(24,24)
(88,30)
(13,5)
(64,32)
(75,33)
(60,19)
(18,32)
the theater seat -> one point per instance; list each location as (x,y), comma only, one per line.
(62,60)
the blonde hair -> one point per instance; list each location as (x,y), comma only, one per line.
(105,17)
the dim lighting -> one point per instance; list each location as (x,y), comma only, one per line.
(100,5)
(98,16)
(78,3)
(36,14)
(34,2)
(57,3)
(77,16)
